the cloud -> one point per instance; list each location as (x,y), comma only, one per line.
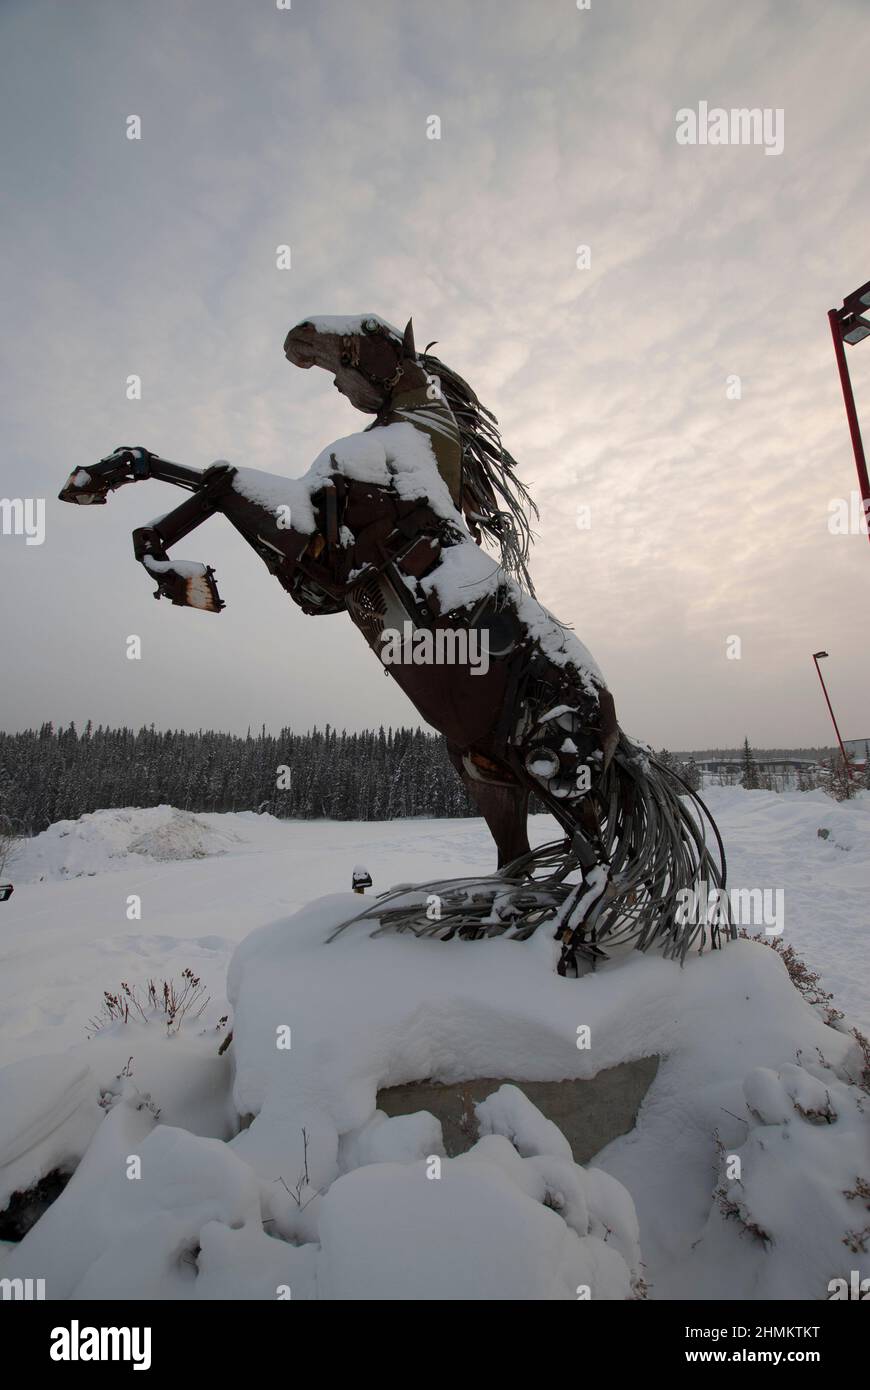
(308,127)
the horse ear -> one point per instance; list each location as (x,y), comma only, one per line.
(408,348)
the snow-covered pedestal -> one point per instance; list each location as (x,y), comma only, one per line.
(362,1014)
(740,1179)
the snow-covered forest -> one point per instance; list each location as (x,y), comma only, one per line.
(50,775)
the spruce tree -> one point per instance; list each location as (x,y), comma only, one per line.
(749,779)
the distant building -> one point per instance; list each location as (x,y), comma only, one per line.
(856,748)
(773,764)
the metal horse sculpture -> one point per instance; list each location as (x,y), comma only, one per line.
(388,526)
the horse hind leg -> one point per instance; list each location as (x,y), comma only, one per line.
(503,805)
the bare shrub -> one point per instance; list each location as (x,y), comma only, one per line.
(164,1002)
(731,1209)
(864,1046)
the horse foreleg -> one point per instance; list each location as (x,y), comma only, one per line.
(187,584)
(504,807)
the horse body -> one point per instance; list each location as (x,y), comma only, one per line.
(388,545)
(386,526)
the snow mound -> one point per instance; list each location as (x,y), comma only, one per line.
(745,1176)
(179,1229)
(477,1229)
(50,1113)
(320,1194)
(320,1028)
(51,1106)
(791,1206)
(103,840)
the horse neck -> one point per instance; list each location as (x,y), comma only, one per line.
(413,378)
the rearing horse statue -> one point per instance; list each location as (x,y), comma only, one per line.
(388,525)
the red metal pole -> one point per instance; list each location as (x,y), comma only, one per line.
(854,427)
(833,720)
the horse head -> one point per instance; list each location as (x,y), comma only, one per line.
(367,356)
(371,361)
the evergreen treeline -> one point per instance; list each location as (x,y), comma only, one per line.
(59,774)
(52,774)
(817,754)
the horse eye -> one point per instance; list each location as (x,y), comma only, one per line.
(345,359)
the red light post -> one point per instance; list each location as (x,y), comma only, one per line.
(851,324)
(846,764)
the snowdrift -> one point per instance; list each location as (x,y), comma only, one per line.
(104,840)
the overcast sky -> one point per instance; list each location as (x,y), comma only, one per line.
(308,126)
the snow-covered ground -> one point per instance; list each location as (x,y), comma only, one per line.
(515,1219)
